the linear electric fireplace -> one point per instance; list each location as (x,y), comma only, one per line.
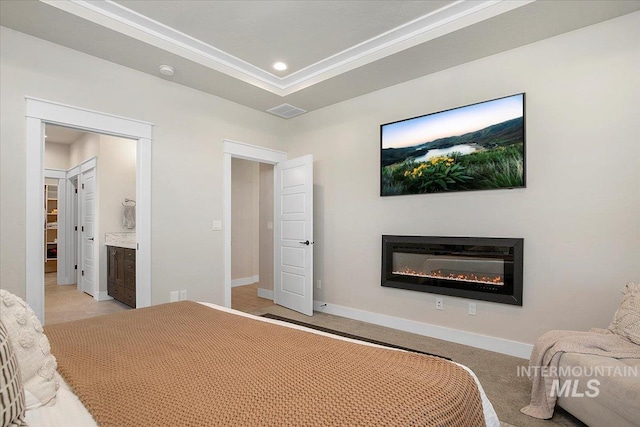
(482,268)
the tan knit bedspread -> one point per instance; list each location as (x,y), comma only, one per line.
(184,364)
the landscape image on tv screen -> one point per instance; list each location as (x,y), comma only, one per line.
(476,147)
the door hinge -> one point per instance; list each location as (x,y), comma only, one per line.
(76,191)
(82,274)
(75,267)
(75,228)
(83,228)
(83,186)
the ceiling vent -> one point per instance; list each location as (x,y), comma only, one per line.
(286,111)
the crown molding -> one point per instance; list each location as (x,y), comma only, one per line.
(445,20)
(450,18)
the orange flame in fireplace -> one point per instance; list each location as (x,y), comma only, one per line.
(465,277)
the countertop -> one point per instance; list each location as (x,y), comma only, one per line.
(120,240)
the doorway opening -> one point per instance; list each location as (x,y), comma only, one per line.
(238,150)
(293,224)
(251,235)
(42,112)
(88,204)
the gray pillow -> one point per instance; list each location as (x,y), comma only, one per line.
(12,405)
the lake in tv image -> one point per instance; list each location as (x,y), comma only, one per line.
(475,147)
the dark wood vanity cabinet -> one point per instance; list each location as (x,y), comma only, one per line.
(121,280)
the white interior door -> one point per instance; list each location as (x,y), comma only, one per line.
(87,231)
(293,234)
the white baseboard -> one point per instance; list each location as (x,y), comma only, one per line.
(245,281)
(265,293)
(485,342)
(102,296)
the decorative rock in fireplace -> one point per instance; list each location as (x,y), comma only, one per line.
(481,268)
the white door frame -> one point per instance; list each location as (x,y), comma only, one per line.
(94,277)
(39,112)
(71,219)
(244,151)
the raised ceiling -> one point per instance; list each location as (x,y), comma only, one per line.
(335,50)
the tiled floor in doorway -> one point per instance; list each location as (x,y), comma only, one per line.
(63,303)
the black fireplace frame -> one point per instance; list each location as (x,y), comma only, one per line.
(511,293)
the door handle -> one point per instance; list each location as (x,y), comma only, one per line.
(91,238)
(306,242)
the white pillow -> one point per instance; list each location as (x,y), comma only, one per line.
(626,321)
(31,348)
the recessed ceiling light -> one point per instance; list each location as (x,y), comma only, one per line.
(280,66)
(167,70)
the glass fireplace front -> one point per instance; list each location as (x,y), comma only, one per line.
(488,269)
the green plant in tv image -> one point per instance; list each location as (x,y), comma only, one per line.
(500,166)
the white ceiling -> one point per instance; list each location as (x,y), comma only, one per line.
(335,50)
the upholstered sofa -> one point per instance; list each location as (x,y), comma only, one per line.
(612,398)
(594,375)
(617,402)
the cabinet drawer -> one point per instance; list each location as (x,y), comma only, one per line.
(129,297)
(130,274)
(115,291)
(130,282)
(130,255)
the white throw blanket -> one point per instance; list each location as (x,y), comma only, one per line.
(550,347)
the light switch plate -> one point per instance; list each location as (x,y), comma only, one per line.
(217,225)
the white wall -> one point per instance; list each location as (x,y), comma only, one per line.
(189,127)
(85,147)
(56,156)
(245,214)
(266,231)
(116,182)
(578,214)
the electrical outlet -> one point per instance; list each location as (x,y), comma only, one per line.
(319,284)
(472,308)
(183,295)
(174,296)
(439,303)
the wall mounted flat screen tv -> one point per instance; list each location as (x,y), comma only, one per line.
(475,147)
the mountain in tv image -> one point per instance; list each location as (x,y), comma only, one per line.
(488,158)
(501,134)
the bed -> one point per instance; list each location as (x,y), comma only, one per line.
(199,364)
